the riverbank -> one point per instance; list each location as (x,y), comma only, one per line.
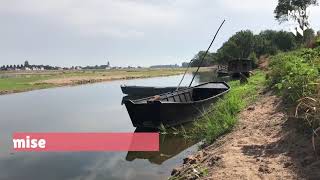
(14,82)
(265,144)
(271,139)
(224,113)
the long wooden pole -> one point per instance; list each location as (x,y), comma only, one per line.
(206,53)
(184,75)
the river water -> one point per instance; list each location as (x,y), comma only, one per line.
(86,108)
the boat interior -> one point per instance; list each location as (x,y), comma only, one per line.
(197,93)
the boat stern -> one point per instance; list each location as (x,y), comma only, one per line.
(144,115)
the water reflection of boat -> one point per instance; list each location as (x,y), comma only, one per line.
(170,146)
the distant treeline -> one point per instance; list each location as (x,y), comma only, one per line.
(165,66)
(27,66)
(245,44)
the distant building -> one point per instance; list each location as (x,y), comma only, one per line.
(78,68)
(26,64)
(28,67)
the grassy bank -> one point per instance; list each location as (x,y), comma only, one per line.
(11,82)
(295,76)
(223,115)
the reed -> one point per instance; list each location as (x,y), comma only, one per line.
(308,109)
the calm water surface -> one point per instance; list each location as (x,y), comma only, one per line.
(85,108)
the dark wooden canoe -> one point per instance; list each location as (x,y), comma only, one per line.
(222,73)
(239,67)
(145,91)
(174,108)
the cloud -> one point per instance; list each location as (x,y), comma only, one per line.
(81,32)
(248,6)
(314,17)
(98,17)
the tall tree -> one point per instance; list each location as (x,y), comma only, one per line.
(240,45)
(208,60)
(299,7)
(308,37)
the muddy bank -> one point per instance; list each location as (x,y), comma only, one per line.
(266,144)
(71,81)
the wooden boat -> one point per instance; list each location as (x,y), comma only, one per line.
(146,91)
(238,67)
(222,71)
(174,108)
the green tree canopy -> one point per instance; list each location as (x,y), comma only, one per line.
(239,45)
(300,6)
(244,44)
(208,60)
(308,36)
(285,41)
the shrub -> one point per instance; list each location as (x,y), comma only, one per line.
(311,56)
(317,41)
(292,76)
(254,58)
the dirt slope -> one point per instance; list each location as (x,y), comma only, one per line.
(264,145)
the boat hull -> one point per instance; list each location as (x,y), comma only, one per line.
(153,115)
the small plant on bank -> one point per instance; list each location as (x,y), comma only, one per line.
(176,131)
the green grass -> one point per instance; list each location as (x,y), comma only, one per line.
(294,74)
(223,115)
(295,77)
(22,83)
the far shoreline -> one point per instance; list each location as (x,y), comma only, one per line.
(18,82)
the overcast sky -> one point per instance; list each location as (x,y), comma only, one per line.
(125,32)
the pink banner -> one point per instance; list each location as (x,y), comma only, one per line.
(59,142)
